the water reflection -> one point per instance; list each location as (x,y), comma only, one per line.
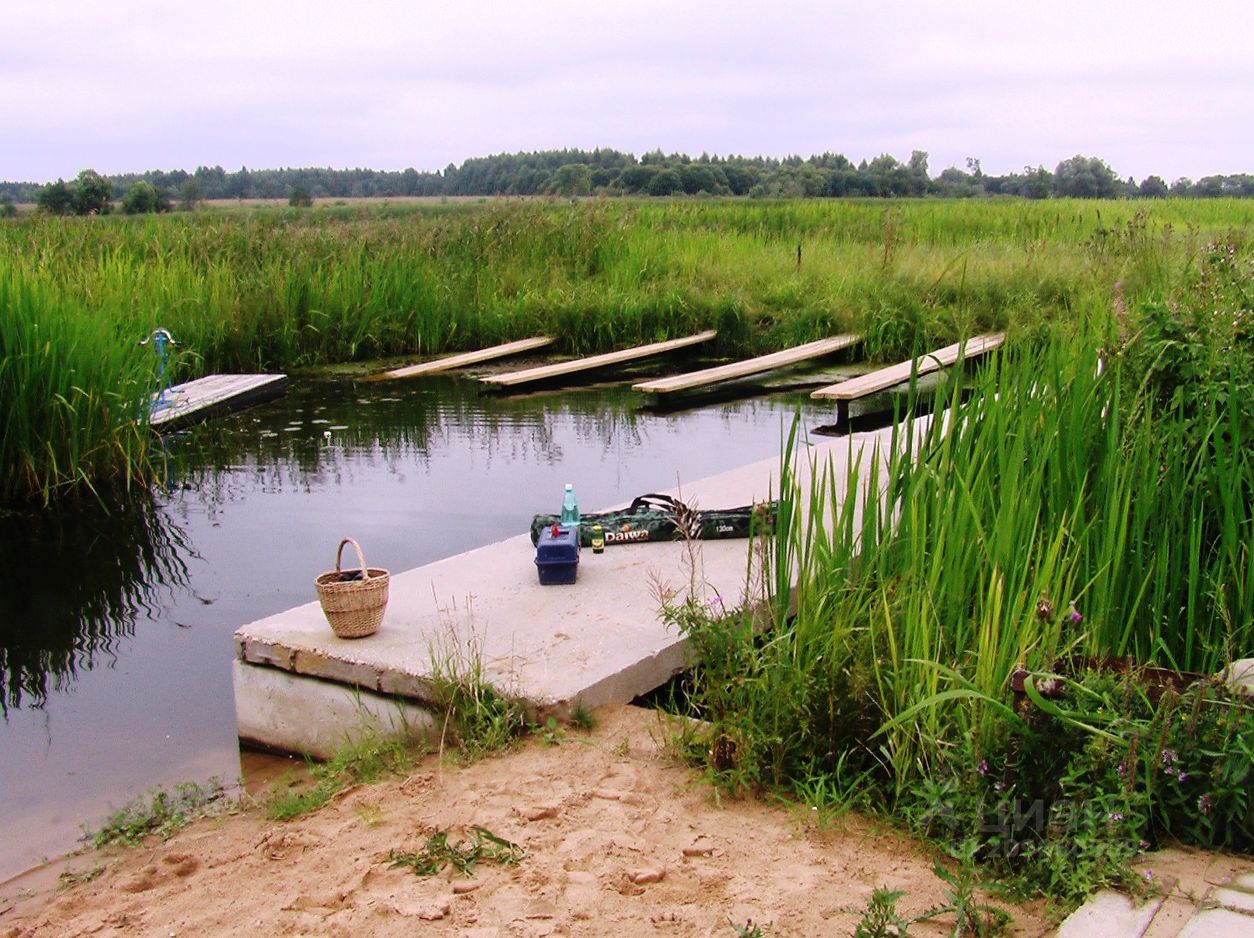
(74,582)
(333,428)
(116,627)
(392,462)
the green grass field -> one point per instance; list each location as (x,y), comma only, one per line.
(271,289)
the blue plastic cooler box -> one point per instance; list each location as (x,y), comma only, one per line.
(557,555)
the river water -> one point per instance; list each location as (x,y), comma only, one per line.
(116,626)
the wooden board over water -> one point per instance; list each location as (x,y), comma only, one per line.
(750,366)
(214,394)
(470,358)
(548,372)
(900,373)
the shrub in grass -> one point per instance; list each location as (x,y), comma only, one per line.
(1093,776)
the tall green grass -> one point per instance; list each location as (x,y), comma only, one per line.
(1085,498)
(73,393)
(285,289)
(281,290)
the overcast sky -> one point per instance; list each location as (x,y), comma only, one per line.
(128,85)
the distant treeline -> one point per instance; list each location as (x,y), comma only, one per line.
(592,172)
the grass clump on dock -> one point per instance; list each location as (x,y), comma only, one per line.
(1082,511)
(475,719)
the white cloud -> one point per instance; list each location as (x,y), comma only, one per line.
(134,84)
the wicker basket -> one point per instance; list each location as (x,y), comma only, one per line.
(353,600)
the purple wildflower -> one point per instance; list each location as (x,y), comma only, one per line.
(982,768)
(1122,769)
(1115,816)
(1181,775)
(1073,615)
(1168,757)
(999,786)
(1204,804)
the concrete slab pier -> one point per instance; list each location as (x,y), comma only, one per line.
(601,640)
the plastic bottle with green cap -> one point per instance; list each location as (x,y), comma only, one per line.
(570,507)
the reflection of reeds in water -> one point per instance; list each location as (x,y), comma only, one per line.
(398,427)
(74,582)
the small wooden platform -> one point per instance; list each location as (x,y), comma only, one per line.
(211,395)
(548,372)
(450,362)
(893,375)
(750,366)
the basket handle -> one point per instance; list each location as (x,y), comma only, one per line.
(365,571)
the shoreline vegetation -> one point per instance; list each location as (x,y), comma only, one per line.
(1017,652)
(285,289)
(1085,510)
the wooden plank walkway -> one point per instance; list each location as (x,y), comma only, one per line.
(547,372)
(885,378)
(470,358)
(750,366)
(211,395)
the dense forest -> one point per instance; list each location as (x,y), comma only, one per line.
(610,172)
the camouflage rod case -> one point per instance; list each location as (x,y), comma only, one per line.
(663,518)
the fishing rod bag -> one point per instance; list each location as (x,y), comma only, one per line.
(663,518)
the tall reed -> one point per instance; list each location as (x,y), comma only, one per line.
(72,396)
(1053,513)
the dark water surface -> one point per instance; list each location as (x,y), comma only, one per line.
(115,627)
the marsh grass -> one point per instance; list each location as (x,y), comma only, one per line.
(72,393)
(1083,498)
(266,289)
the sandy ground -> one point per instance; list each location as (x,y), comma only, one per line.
(619,840)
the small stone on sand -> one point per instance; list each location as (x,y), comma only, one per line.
(647,875)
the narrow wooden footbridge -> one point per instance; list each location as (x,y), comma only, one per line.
(185,404)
